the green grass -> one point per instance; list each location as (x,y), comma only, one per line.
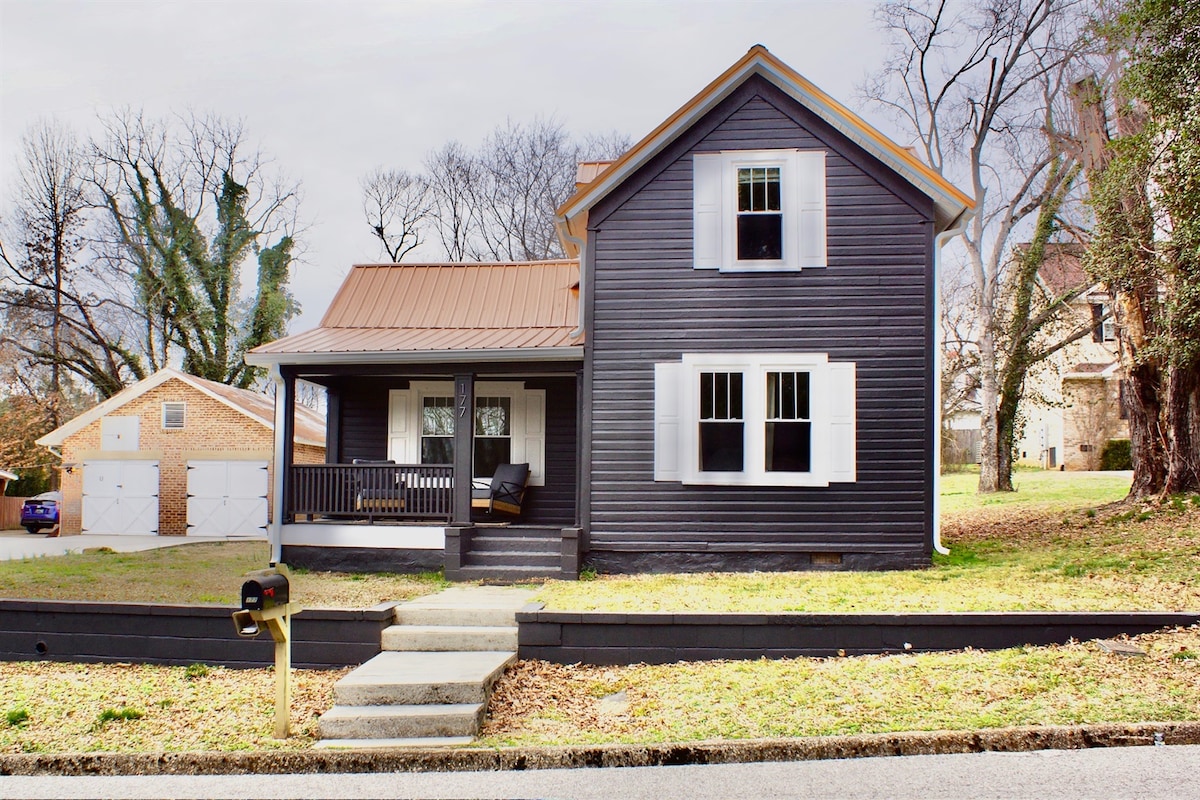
(1035,490)
(1052,545)
(195,574)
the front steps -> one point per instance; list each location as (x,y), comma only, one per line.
(512,553)
(431,683)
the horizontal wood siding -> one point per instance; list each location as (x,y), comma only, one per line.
(871,306)
(363,428)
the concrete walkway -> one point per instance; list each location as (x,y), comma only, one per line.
(17,544)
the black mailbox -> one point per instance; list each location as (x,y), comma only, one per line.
(265,591)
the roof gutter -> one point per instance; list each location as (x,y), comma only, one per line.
(957,227)
(526,354)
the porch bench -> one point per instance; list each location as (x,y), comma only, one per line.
(381,502)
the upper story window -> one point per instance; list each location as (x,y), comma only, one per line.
(1106,326)
(174,416)
(759,210)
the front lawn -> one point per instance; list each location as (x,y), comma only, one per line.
(1056,544)
(209,573)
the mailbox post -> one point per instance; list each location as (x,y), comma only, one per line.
(266,600)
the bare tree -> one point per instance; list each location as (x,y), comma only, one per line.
(499,203)
(396,204)
(451,175)
(59,310)
(977,83)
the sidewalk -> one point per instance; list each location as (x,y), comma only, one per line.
(17,544)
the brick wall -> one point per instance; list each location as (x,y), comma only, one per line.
(212,430)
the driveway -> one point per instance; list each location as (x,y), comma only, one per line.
(17,543)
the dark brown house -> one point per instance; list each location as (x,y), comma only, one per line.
(734,370)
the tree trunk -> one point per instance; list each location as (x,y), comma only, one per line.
(1183,411)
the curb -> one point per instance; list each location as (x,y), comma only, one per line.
(1064,737)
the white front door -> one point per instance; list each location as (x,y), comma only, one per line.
(227,498)
(120,497)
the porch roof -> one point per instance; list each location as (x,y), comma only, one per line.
(398,313)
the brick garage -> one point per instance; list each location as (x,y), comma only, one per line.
(147,435)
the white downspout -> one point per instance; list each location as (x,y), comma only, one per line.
(275,528)
(956,229)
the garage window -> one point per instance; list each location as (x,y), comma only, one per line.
(174,416)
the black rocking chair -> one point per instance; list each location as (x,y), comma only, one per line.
(506,492)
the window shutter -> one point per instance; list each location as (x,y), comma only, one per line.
(668,379)
(810,188)
(842,433)
(707,197)
(535,435)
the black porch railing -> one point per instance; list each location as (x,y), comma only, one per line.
(371,491)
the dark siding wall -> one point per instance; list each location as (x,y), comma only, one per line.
(363,428)
(870,306)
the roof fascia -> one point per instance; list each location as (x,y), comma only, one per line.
(416,356)
(950,200)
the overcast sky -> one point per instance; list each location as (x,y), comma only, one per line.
(332,89)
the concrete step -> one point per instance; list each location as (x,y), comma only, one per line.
(407,678)
(401,721)
(512,558)
(475,572)
(523,544)
(449,638)
(388,744)
(487,606)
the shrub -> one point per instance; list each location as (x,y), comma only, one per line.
(1116,455)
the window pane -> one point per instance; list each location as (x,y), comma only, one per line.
(758,189)
(437,450)
(489,454)
(492,416)
(721,405)
(789,447)
(735,395)
(437,416)
(760,237)
(706,395)
(721,446)
(787,395)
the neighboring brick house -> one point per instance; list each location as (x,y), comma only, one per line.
(1072,402)
(175,454)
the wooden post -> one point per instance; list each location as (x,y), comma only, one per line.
(281,632)
(464,432)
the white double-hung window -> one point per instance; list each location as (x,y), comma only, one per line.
(754,419)
(759,210)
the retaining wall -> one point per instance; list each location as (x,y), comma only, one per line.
(660,638)
(33,630)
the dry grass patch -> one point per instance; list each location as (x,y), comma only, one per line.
(540,703)
(55,708)
(203,574)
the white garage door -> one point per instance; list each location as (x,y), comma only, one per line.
(120,497)
(227,498)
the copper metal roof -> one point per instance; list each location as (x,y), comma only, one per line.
(403,309)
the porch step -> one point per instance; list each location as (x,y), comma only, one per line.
(443,638)
(513,558)
(402,721)
(470,606)
(408,678)
(489,543)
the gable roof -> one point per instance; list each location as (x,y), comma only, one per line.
(949,202)
(310,425)
(406,313)
(1062,268)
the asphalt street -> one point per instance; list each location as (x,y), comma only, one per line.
(1114,772)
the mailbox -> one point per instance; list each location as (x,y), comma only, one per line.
(264,591)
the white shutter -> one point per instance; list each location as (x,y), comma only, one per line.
(842,427)
(534,435)
(810,202)
(707,225)
(401,446)
(668,406)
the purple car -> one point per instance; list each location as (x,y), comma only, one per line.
(41,512)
